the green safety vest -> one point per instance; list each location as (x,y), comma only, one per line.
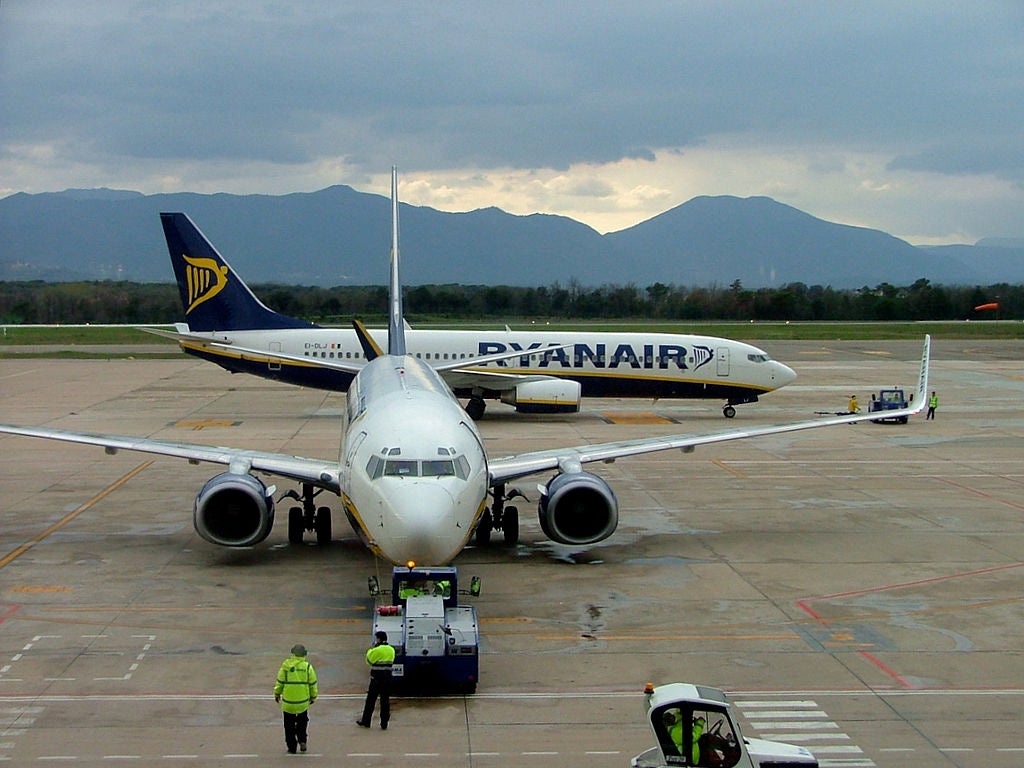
(380,656)
(296,685)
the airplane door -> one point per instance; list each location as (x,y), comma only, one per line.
(274,365)
(722,360)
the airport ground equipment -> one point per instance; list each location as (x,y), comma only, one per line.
(693,727)
(436,640)
(888,400)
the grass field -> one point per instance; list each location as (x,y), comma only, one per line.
(76,340)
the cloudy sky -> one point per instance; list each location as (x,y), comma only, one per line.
(906,116)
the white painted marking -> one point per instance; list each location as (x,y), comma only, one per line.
(786,713)
(805,726)
(852,749)
(800,737)
(765,704)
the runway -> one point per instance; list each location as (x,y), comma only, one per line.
(856,590)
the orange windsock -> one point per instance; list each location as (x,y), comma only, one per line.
(983,307)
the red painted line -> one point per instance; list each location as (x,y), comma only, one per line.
(11,610)
(887,669)
(904,585)
(977,492)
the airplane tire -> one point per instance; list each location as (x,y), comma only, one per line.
(475,408)
(728,411)
(295,525)
(510,526)
(483,529)
(323,526)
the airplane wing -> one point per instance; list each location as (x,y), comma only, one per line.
(320,473)
(569,459)
(458,374)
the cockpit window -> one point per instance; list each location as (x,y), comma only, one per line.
(384,466)
(759,358)
(438,467)
(401,468)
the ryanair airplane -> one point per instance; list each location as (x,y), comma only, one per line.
(552,371)
(412,472)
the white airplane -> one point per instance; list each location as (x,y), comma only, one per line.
(228,325)
(413,474)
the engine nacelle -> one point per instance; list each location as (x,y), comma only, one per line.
(578,508)
(546,396)
(234,510)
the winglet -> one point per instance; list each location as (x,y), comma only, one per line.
(396,320)
(922,382)
(370,347)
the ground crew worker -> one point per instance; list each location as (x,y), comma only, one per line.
(674,725)
(698,731)
(933,403)
(380,659)
(854,406)
(295,690)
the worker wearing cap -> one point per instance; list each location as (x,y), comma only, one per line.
(296,690)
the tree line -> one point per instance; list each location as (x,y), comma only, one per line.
(158,303)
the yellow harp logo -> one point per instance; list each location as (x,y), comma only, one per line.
(205,279)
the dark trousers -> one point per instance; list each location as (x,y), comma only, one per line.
(380,685)
(295,729)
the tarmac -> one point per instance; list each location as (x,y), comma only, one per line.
(856,590)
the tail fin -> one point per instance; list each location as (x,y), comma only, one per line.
(396,319)
(213,296)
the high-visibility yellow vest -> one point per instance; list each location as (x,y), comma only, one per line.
(296,685)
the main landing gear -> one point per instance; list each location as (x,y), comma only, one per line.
(499,517)
(728,411)
(475,407)
(308,517)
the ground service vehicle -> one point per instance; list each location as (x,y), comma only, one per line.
(436,640)
(888,400)
(693,727)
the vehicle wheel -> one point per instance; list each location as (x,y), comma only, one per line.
(295,525)
(483,529)
(323,526)
(475,408)
(728,411)
(510,526)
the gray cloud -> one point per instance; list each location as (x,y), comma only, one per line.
(935,87)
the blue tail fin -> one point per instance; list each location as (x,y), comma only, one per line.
(213,296)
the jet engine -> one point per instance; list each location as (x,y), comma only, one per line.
(544,396)
(578,508)
(234,510)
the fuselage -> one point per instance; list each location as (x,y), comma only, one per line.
(414,472)
(650,365)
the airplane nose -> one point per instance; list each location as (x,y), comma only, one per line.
(783,374)
(426,523)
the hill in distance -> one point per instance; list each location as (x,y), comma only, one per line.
(339,236)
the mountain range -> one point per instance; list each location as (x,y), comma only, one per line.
(339,236)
